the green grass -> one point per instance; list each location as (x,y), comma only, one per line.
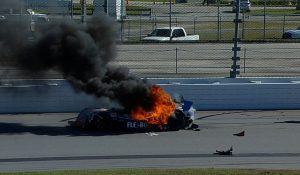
(131,10)
(208,31)
(276,25)
(210,171)
(137,10)
(275,12)
(250,30)
(76,9)
(155,1)
(283,3)
(253,30)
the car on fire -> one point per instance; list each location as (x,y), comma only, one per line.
(118,120)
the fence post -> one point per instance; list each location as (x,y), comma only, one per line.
(176,56)
(71,8)
(128,37)
(140,27)
(235,67)
(195,25)
(170,16)
(83,11)
(243,26)
(244,60)
(122,30)
(219,31)
(155,23)
(265,3)
(283,26)
(153,20)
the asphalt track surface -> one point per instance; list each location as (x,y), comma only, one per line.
(38,142)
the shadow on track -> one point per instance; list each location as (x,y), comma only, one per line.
(290,121)
(16,128)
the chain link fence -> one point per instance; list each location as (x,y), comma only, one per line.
(212,20)
(62,8)
(193,60)
(210,61)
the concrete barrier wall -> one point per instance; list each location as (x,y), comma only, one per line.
(237,94)
(42,96)
(38,96)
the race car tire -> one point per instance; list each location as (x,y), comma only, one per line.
(176,121)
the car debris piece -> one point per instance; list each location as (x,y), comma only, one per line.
(193,127)
(151,134)
(240,134)
(227,152)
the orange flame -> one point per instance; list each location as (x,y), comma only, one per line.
(162,108)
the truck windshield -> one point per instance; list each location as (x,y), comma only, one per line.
(161,32)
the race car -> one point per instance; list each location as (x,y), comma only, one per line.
(119,120)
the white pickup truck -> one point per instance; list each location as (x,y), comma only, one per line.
(27,16)
(292,34)
(167,34)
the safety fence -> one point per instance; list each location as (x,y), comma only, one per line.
(211,19)
(263,60)
(214,22)
(208,62)
(214,28)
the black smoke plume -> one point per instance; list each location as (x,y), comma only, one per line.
(81,52)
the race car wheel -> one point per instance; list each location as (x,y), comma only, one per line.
(176,121)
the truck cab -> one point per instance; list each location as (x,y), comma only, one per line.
(170,34)
(245,5)
(25,16)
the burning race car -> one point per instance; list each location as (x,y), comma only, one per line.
(117,120)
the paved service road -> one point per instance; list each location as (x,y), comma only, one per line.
(33,142)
